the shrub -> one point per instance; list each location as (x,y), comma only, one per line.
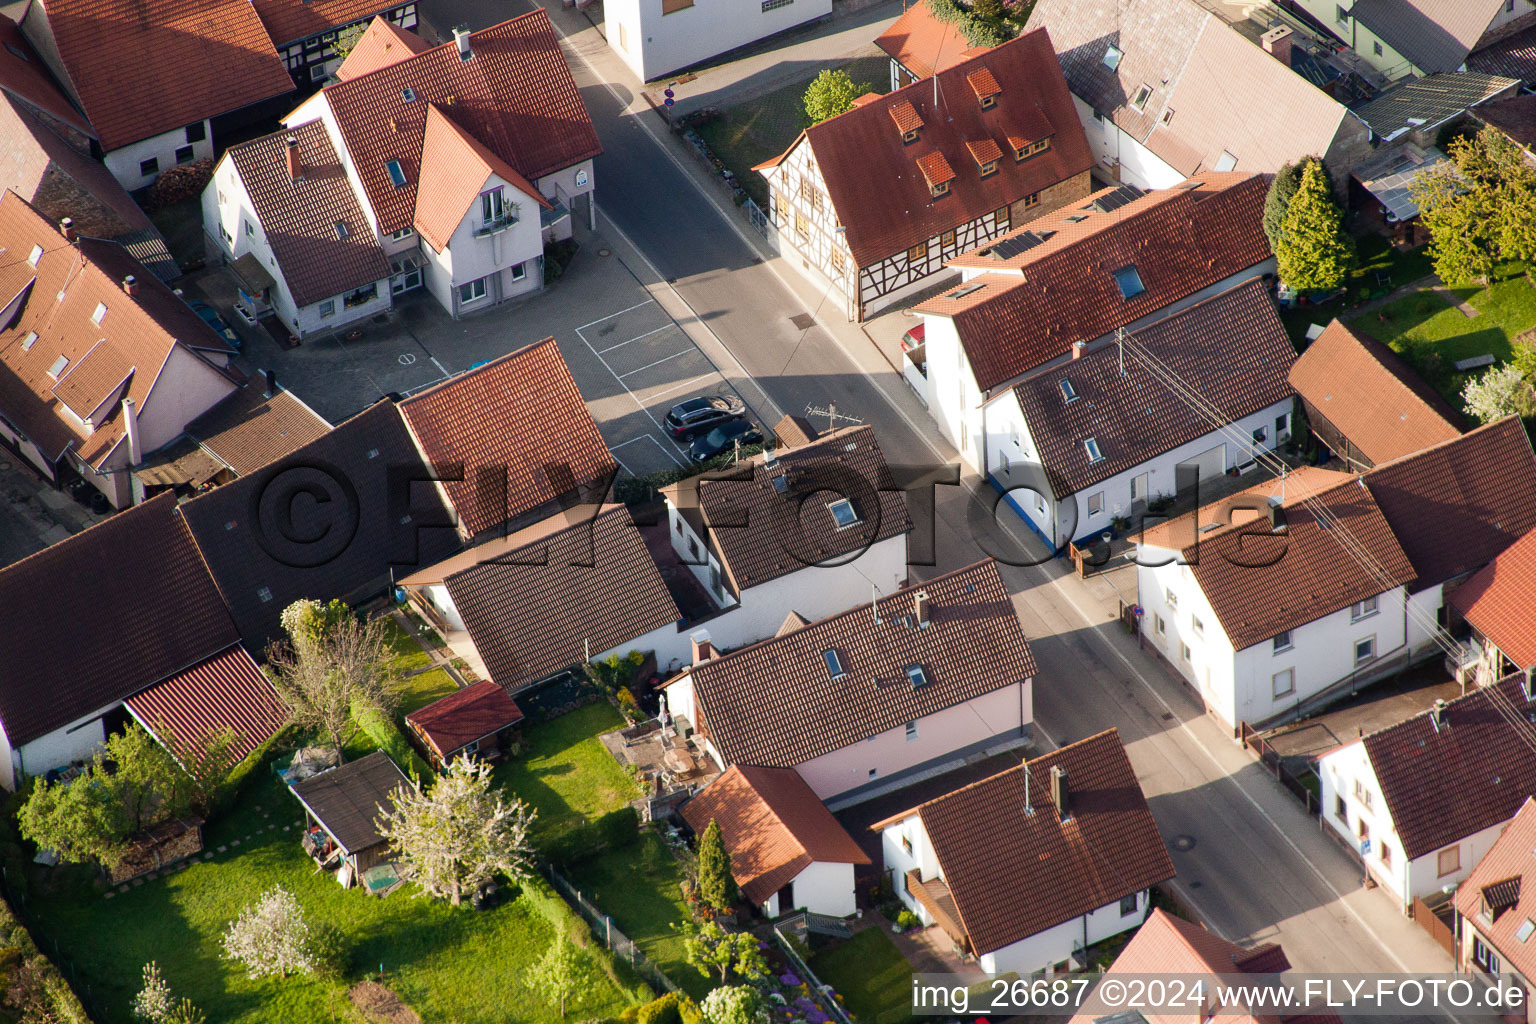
(328,946)
(671,1008)
(906,920)
(381,728)
(620,828)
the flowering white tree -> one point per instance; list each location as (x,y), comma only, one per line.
(734,1004)
(1502,391)
(271,936)
(154,1002)
(460,834)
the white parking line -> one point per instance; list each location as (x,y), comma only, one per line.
(684,384)
(643,437)
(658,362)
(616,377)
(638,337)
(620,461)
(610,316)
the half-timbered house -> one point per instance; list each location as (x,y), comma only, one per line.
(873,202)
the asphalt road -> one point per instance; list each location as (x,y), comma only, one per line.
(1258,869)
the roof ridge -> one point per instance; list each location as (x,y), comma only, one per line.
(473,371)
(1481,691)
(1481,429)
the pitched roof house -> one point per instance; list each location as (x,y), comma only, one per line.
(305,31)
(210,59)
(1063,284)
(225,695)
(344,803)
(1419,108)
(111,611)
(530,605)
(1267,616)
(1499,602)
(920,44)
(787,851)
(1422,37)
(1028,867)
(1497,905)
(383,43)
(1104,435)
(24,78)
(809,528)
(864,699)
(100,363)
(1425,799)
(511,440)
(1168,90)
(477,721)
(456,162)
(878,198)
(1364,402)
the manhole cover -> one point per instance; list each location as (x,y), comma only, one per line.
(803,321)
(604,252)
(1195,885)
(1183,843)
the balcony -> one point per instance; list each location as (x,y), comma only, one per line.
(496,225)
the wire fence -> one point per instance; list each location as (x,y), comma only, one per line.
(608,933)
(829,1006)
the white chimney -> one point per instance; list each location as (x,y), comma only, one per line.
(461,39)
(703,649)
(921,608)
(131,428)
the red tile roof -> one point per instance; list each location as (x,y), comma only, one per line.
(454,168)
(1372,396)
(1015,874)
(546,597)
(985,150)
(1500,601)
(1473,772)
(920,42)
(1479,488)
(247,430)
(1181,531)
(1510,858)
(24,75)
(384,43)
(773,825)
(1180,240)
(135,339)
(122,606)
(516,95)
(983,83)
(226,692)
(1231,349)
(868,169)
(209,58)
(299,218)
(769,704)
(903,114)
(935,168)
(1260,585)
(840,464)
(473,713)
(289,21)
(520,415)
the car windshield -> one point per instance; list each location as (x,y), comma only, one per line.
(717,437)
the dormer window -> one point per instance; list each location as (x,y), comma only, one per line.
(1092,447)
(396,173)
(986,153)
(1023,149)
(100,314)
(1143,93)
(910,136)
(985,86)
(937,172)
(1112,55)
(940,189)
(907,120)
(37,254)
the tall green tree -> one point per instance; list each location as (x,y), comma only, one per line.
(831,93)
(562,972)
(1479,207)
(711,948)
(148,781)
(1281,190)
(332,662)
(1314,253)
(716,883)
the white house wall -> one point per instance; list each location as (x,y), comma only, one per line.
(953,399)
(894,842)
(186,388)
(653,43)
(825,888)
(1040,951)
(1423,618)
(124,161)
(1211,668)
(76,741)
(797,189)
(493,257)
(1121,155)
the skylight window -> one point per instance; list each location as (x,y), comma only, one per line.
(1130,282)
(1112,55)
(408,94)
(265,593)
(37,254)
(396,173)
(1092,446)
(100,314)
(1143,93)
(29,341)
(1068,391)
(843,513)
(834,664)
(917,676)
(341,229)
(1226,161)
(1526,928)
(57,368)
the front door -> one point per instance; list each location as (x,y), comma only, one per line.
(1138,496)
(787,898)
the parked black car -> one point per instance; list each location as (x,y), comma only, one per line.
(701,415)
(723,438)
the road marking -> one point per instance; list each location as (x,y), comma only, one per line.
(665,359)
(687,383)
(620,379)
(614,451)
(643,437)
(440,366)
(610,316)
(639,337)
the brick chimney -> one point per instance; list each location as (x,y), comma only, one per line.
(922,608)
(67,229)
(1078,348)
(131,285)
(1277,43)
(703,649)
(1061,796)
(295,168)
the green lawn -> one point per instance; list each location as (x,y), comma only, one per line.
(753,131)
(423,688)
(449,964)
(408,653)
(564,773)
(640,888)
(1375,254)
(871,975)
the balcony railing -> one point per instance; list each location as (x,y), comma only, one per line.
(499,224)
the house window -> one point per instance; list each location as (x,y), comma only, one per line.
(1096,504)
(29,341)
(57,369)
(342,231)
(1283,684)
(1128,905)
(873,771)
(1184,652)
(1365,651)
(328,307)
(1159,625)
(1376,45)
(473,291)
(1363,829)
(911,731)
(1003,465)
(910,135)
(1033,199)
(1484,956)
(843,514)
(802,226)
(673,6)
(1171,599)
(196,132)
(1282,425)
(1129,282)
(1002,218)
(947,240)
(408,95)
(773,5)
(1112,55)
(1260,434)
(623,38)
(1362,794)
(1092,447)
(150,166)
(250,230)
(520,271)
(989,167)
(1226,161)
(99,314)
(1167,115)
(492,208)
(1282,641)
(185,155)
(988,102)
(917,253)
(1068,392)
(1340,14)
(1143,93)
(1040,503)
(403,233)
(1448,861)
(939,188)
(837,262)
(1362,609)
(1197,625)
(37,254)
(906,843)
(1025,152)
(396,173)
(1386,855)
(834,664)
(693,548)
(361,296)
(1340,809)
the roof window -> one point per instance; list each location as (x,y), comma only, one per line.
(917,676)
(341,229)
(1068,392)
(1143,93)
(1112,55)
(408,94)
(1526,928)
(37,254)
(57,368)
(1092,446)
(396,173)
(1130,282)
(834,664)
(100,314)
(1226,161)
(29,341)
(843,513)
(265,593)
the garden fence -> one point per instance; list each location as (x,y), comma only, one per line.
(828,1005)
(603,927)
(761,222)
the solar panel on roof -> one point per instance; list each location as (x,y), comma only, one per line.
(1121,196)
(1008,248)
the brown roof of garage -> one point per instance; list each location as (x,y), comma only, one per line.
(248,430)
(226,692)
(464,717)
(347,800)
